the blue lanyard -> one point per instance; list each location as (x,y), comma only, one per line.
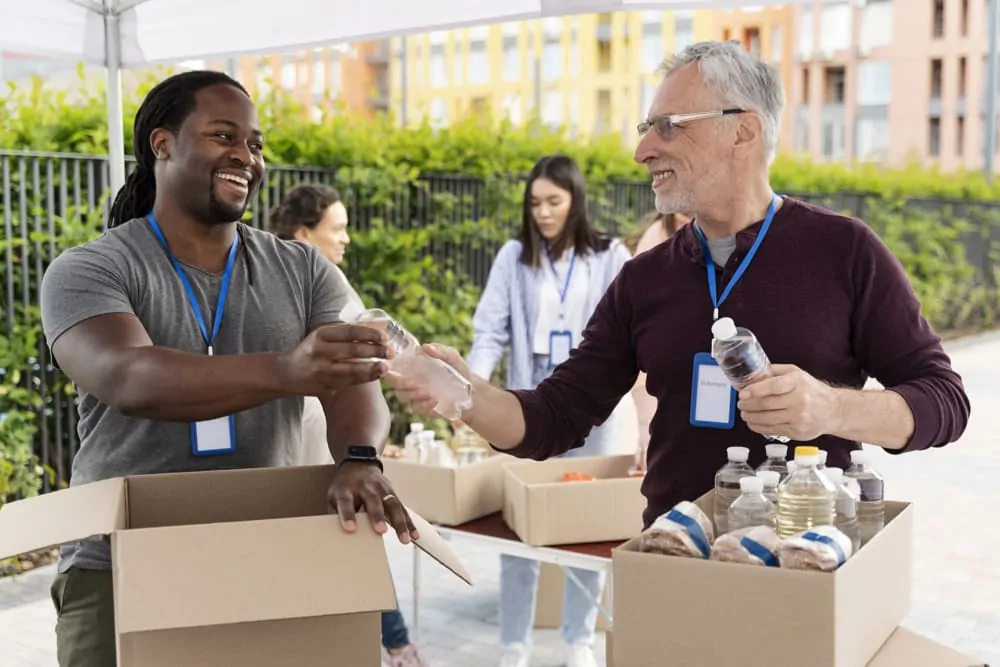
(741,269)
(564,290)
(223,290)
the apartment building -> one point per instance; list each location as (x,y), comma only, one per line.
(593,74)
(891,81)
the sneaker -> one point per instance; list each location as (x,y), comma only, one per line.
(408,656)
(580,655)
(515,656)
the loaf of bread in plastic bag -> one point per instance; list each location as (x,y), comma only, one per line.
(823,548)
(683,531)
(756,545)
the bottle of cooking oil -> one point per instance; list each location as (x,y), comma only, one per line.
(806,498)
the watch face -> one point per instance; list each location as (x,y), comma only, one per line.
(362,452)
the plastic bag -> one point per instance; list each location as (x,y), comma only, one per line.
(756,545)
(823,548)
(683,531)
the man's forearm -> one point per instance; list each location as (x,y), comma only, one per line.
(356,415)
(496,415)
(162,384)
(878,417)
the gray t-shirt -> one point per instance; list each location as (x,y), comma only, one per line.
(722,249)
(285,290)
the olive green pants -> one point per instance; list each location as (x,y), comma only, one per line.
(85,626)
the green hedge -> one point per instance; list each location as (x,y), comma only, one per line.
(375,161)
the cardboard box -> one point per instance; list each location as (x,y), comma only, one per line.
(902,649)
(240,567)
(710,612)
(542,509)
(549,601)
(450,496)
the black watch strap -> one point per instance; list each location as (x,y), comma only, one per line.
(364,454)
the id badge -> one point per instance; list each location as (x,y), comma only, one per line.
(215,436)
(713,398)
(560,343)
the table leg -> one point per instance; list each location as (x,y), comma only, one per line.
(416,595)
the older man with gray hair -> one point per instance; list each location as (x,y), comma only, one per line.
(822,292)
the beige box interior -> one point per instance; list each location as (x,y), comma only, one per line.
(716,613)
(543,510)
(240,567)
(549,602)
(450,496)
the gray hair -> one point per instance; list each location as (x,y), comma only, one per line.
(740,79)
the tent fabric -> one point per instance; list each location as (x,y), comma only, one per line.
(169,31)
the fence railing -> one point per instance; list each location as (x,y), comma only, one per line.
(52,201)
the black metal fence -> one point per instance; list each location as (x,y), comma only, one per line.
(52,201)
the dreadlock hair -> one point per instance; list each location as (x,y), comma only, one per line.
(167,105)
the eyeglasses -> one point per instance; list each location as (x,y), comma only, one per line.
(666,124)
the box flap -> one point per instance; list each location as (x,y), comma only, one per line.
(76,513)
(237,572)
(908,649)
(432,544)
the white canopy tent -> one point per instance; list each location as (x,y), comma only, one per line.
(131,33)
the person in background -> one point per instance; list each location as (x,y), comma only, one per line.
(822,292)
(179,318)
(315,214)
(656,228)
(542,288)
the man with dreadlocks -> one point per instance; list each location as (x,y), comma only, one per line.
(192,338)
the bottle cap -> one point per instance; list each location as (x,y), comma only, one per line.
(805,450)
(776,451)
(416,427)
(859,456)
(770,477)
(791,467)
(738,454)
(351,310)
(724,328)
(751,484)
(835,475)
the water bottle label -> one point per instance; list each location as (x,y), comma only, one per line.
(713,398)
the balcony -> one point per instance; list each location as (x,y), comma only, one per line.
(381,54)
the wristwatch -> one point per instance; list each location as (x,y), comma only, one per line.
(364,454)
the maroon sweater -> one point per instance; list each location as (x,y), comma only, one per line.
(823,292)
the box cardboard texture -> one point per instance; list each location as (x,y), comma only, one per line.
(450,496)
(239,567)
(706,612)
(549,599)
(542,510)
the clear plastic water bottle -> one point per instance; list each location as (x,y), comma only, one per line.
(806,498)
(411,449)
(776,460)
(727,485)
(822,459)
(454,392)
(740,356)
(846,507)
(771,480)
(871,505)
(751,508)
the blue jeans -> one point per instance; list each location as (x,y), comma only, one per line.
(394,632)
(519,576)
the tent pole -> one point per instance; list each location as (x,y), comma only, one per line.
(116,131)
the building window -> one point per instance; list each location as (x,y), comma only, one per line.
(965,18)
(934,138)
(938,23)
(574,57)
(874,82)
(807,44)
(552,27)
(511,65)
(683,30)
(438,113)
(805,85)
(777,43)
(648,94)
(512,107)
(318,74)
(834,85)
(833,139)
(439,68)
(479,65)
(960,136)
(876,26)
(936,76)
(835,20)
(652,48)
(288,71)
(751,40)
(552,61)
(552,108)
(872,140)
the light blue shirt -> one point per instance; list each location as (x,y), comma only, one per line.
(507,312)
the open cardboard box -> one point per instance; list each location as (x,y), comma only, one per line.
(701,612)
(551,594)
(543,510)
(450,496)
(239,567)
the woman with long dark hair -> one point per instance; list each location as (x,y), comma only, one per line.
(543,287)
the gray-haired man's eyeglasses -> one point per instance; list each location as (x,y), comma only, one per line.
(665,124)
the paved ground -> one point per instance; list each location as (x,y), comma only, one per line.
(956,589)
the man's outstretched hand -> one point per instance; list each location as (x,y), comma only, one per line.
(357,485)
